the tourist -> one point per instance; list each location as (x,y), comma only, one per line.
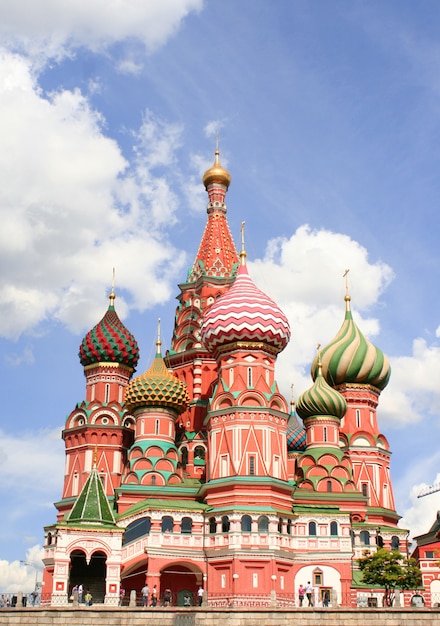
(200,594)
(167,597)
(145,592)
(301,594)
(88,598)
(309,593)
(154,596)
(80,593)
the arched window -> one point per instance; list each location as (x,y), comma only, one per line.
(157,427)
(167,524)
(186,526)
(289,526)
(395,542)
(251,465)
(246,524)
(379,541)
(212,525)
(312,529)
(199,452)
(334,529)
(263,524)
(153,481)
(226,524)
(365,490)
(136,529)
(107,392)
(365,537)
(329,486)
(352,535)
(280,525)
(325,433)
(249,376)
(184,456)
(358,418)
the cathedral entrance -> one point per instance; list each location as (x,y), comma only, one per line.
(90,575)
(183,581)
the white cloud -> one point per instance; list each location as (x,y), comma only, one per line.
(22,575)
(421,513)
(79,208)
(53,28)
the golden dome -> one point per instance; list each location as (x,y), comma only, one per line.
(216,174)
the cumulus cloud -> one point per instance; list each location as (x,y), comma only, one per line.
(72,207)
(54,28)
(22,575)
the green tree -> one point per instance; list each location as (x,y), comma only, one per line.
(390,570)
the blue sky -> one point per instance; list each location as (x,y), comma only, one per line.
(328,114)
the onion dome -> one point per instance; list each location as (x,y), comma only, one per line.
(351,358)
(245,313)
(109,341)
(296,438)
(321,400)
(216,174)
(157,388)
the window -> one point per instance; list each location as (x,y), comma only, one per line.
(379,541)
(167,524)
(157,427)
(153,481)
(184,456)
(329,486)
(365,537)
(249,376)
(358,418)
(325,433)
(226,524)
(317,578)
(280,525)
(263,524)
(231,376)
(429,554)
(395,543)
(312,529)
(186,526)
(199,452)
(334,529)
(137,529)
(107,392)
(251,466)
(365,490)
(246,524)
(289,526)
(212,525)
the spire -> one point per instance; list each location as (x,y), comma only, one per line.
(112,295)
(217,256)
(91,506)
(347,295)
(243,251)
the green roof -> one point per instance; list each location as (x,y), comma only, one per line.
(92,506)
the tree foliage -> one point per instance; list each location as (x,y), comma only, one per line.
(389,570)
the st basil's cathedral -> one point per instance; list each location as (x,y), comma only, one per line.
(199,474)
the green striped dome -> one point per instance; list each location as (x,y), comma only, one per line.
(157,388)
(351,358)
(321,400)
(109,342)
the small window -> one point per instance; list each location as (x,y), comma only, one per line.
(325,433)
(395,543)
(317,578)
(167,524)
(107,392)
(263,525)
(289,526)
(184,456)
(358,418)
(365,537)
(226,524)
(212,525)
(429,554)
(186,526)
(280,525)
(329,486)
(157,427)
(249,376)
(153,481)
(365,490)
(334,529)
(312,529)
(251,466)
(246,524)
(379,541)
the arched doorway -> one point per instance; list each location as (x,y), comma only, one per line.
(90,575)
(183,580)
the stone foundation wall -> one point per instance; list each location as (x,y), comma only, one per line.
(103,616)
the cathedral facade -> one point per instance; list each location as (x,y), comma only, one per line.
(199,474)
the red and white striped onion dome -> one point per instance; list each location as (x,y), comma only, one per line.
(245,313)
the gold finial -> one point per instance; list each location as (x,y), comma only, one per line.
(158,342)
(347,295)
(95,458)
(243,251)
(318,350)
(112,295)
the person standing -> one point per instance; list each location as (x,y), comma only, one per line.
(154,596)
(200,594)
(80,593)
(301,594)
(309,593)
(145,592)
(88,598)
(167,597)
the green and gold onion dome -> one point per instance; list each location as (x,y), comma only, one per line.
(351,358)
(216,174)
(109,341)
(321,400)
(157,388)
